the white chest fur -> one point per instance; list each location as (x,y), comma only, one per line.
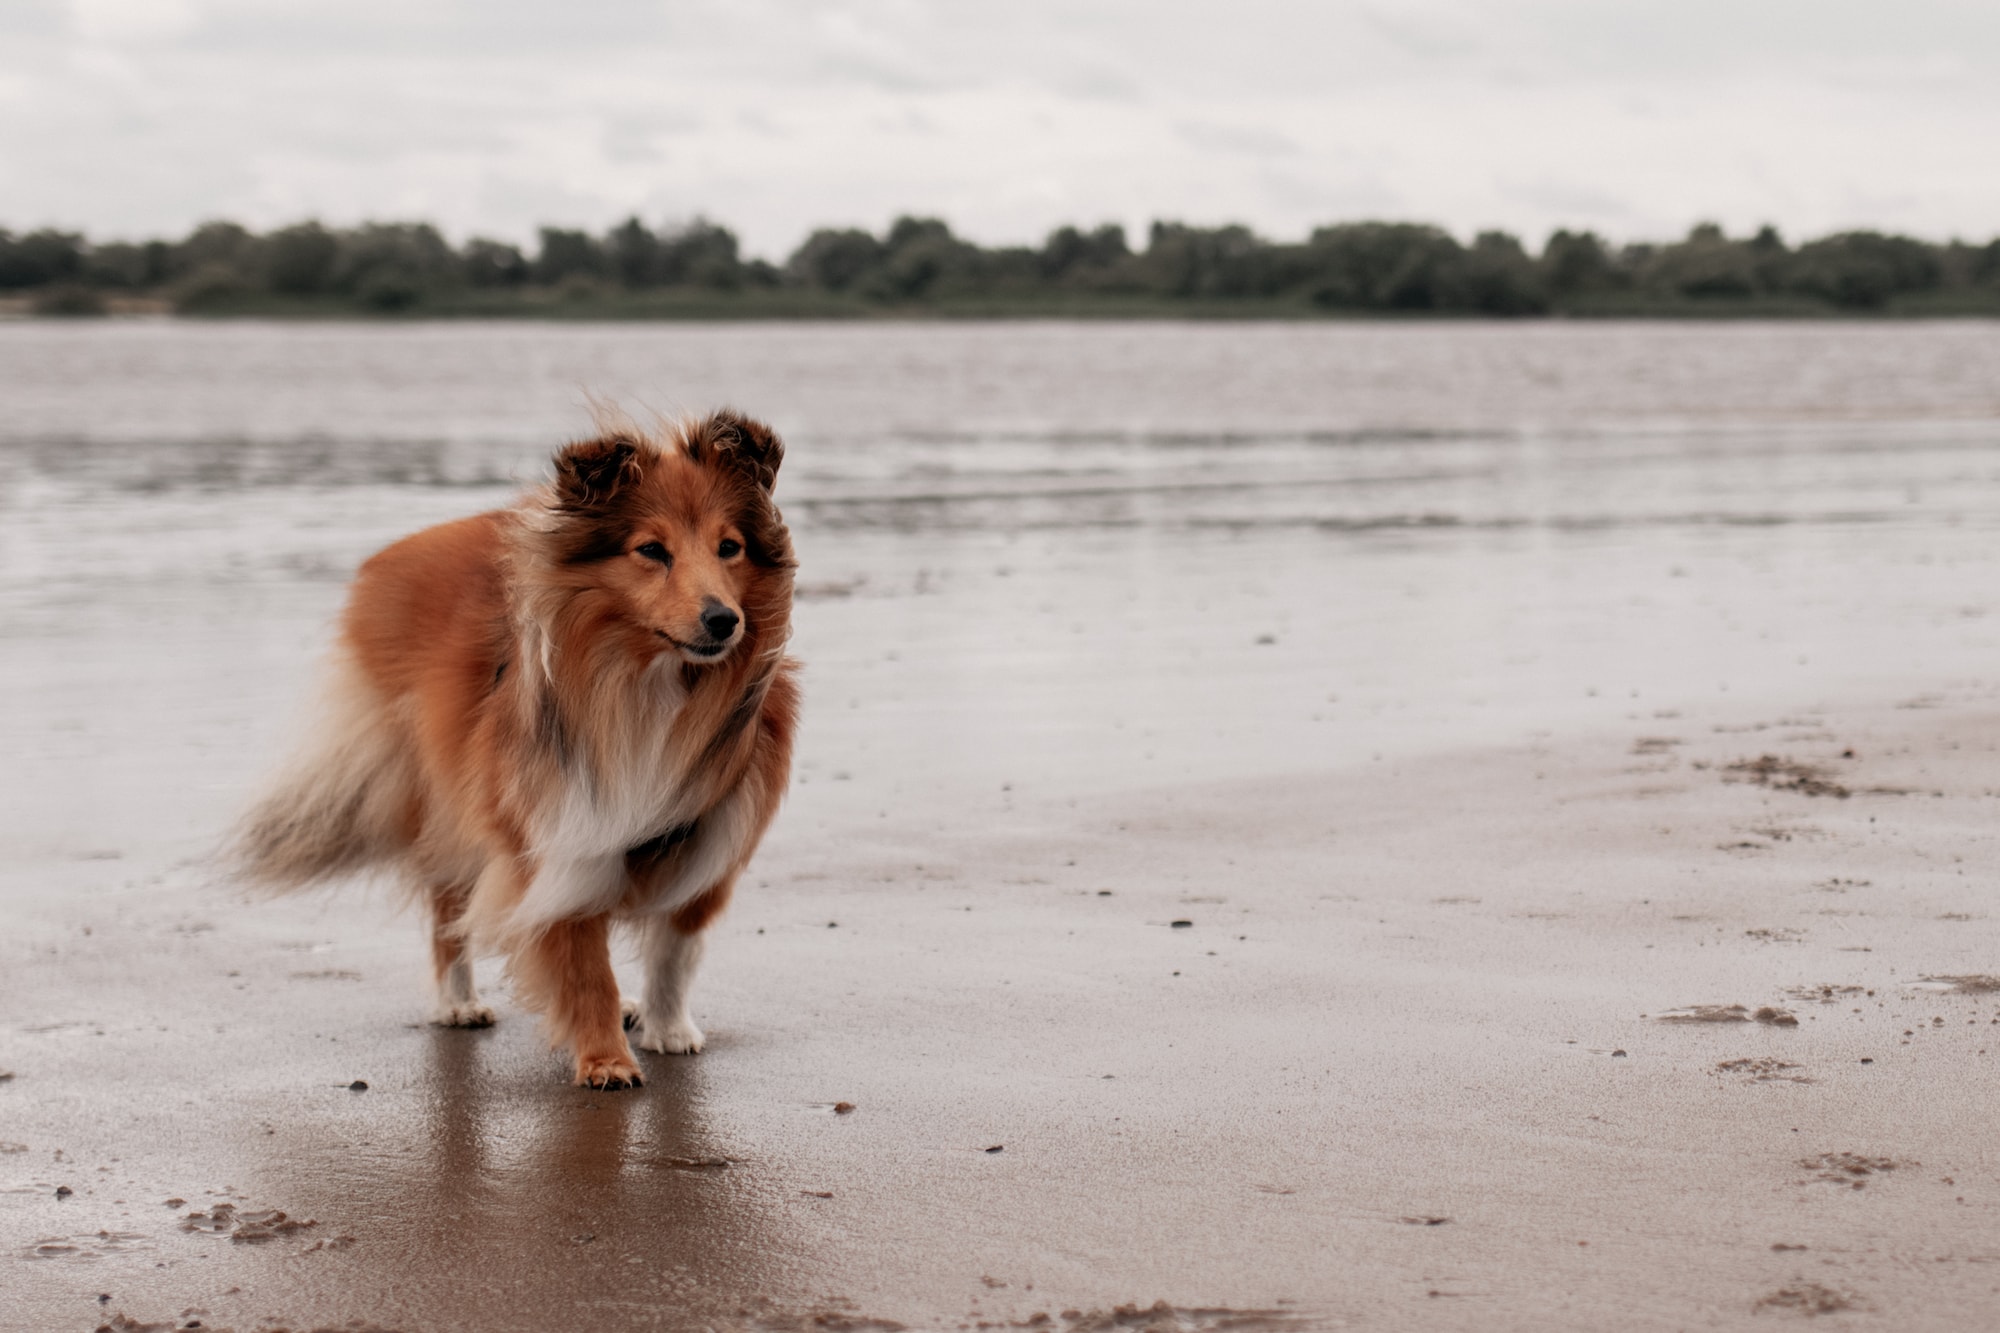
(621,781)
(631,791)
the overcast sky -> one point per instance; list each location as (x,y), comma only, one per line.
(141,117)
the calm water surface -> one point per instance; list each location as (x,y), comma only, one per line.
(1039,559)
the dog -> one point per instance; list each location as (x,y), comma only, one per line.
(547,719)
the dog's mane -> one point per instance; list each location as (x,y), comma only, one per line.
(590,690)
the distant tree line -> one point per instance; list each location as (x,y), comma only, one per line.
(1359,267)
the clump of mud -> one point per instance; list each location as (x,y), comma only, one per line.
(1780,774)
(124,1323)
(1159,1317)
(701,1164)
(330,1243)
(1764,1070)
(246,1228)
(1808,1299)
(833,1314)
(836,1317)
(99,1246)
(127,1323)
(1851,1169)
(1825,993)
(1729,1013)
(1974,985)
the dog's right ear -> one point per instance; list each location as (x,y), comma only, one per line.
(590,474)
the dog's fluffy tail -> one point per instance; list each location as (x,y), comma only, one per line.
(344,806)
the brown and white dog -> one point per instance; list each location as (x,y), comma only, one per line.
(550,718)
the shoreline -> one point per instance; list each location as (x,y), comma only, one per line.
(648,310)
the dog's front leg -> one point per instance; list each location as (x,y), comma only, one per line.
(568,966)
(458,1003)
(671,947)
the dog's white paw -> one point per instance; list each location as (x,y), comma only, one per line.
(676,1037)
(474,1015)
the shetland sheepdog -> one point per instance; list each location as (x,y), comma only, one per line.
(554,717)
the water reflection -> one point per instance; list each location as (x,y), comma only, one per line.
(511,1200)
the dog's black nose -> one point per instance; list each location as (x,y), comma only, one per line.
(719,621)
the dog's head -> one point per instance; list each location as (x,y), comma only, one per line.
(682,535)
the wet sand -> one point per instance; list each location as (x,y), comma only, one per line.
(1410,1063)
(1587,922)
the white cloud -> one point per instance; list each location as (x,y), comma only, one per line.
(774,116)
(131,20)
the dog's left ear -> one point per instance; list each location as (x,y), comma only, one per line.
(746,446)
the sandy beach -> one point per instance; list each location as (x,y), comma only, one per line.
(1512,858)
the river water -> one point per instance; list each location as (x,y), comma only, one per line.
(1051,557)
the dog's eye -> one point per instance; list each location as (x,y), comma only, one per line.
(655,551)
(729,550)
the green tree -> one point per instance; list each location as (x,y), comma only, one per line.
(392,266)
(1985,266)
(1068,252)
(487,263)
(1862,270)
(835,261)
(568,254)
(1384,266)
(1707,264)
(922,258)
(701,254)
(634,254)
(217,247)
(1770,259)
(40,258)
(1576,263)
(124,265)
(299,260)
(1207,262)
(1500,278)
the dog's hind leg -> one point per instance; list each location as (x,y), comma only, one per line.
(565,971)
(672,947)
(458,1003)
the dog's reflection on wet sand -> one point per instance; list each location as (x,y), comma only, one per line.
(510,1202)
